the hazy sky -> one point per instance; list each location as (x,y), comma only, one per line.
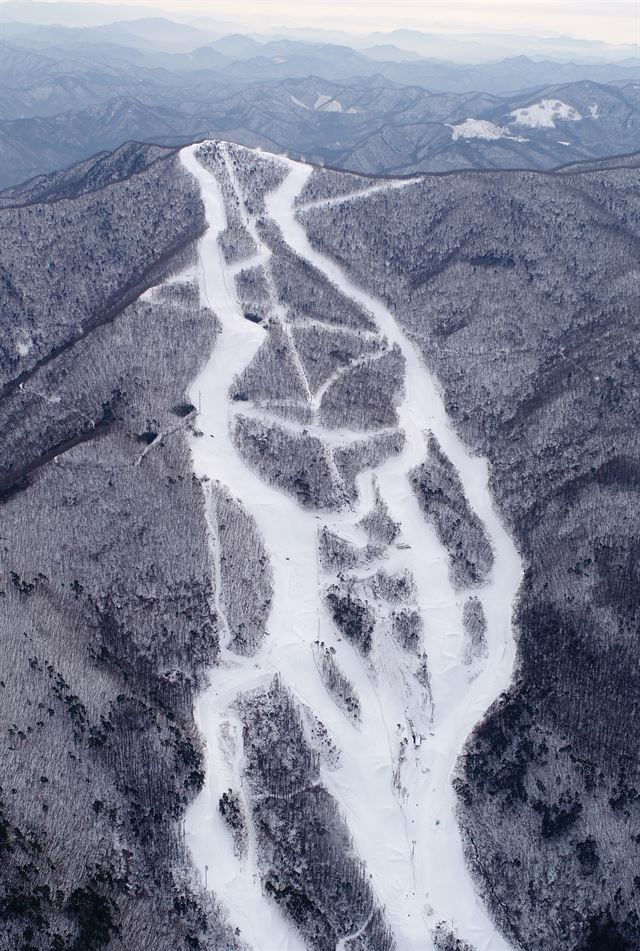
(613,21)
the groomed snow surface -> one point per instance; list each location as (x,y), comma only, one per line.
(410,842)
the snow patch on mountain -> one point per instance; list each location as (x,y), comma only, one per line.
(298,102)
(23,346)
(545,114)
(327,104)
(482,129)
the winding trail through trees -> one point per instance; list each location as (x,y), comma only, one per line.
(405,830)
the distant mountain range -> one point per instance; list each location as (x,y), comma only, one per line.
(160,45)
(69,92)
(365,126)
(144,26)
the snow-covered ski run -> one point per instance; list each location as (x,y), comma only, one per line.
(411,843)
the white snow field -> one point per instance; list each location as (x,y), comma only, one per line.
(326,103)
(482,129)
(545,114)
(400,811)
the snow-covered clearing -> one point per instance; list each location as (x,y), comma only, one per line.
(482,129)
(326,103)
(545,114)
(409,839)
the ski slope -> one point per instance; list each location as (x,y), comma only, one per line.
(405,832)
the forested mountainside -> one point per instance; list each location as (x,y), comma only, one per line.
(106,625)
(286,451)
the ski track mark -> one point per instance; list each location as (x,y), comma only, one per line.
(351,196)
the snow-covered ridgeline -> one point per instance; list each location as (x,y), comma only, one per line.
(411,843)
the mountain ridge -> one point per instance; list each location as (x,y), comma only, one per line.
(377,129)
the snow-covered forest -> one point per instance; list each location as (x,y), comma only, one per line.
(319,558)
